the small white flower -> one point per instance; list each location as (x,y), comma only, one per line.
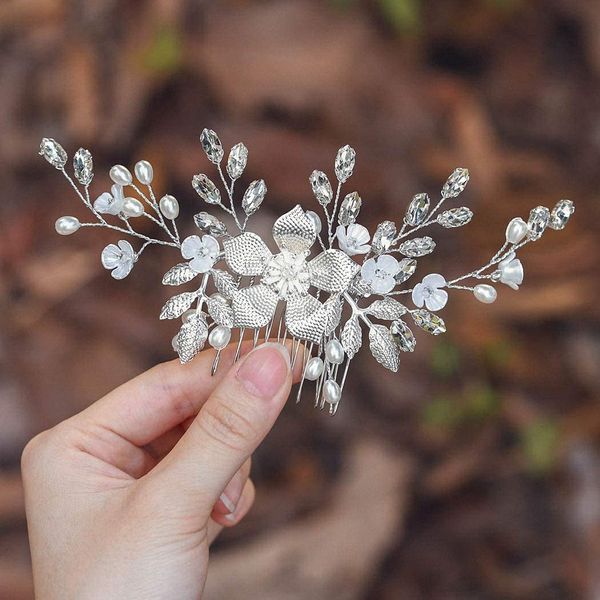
(110,203)
(203,252)
(511,271)
(380,273)
(428,292)
(119,259)
(353,239)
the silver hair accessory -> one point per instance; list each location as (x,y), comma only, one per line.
(324,302)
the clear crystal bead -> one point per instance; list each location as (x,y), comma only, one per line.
(349,209)
(403,336)
(408,266)
(254,196)
(455,217)
(539,218)
(321,187)
(206,189)
(429,322)
(53,152)
(384,237)
(211,144)
(561,214)
(210,224)
(344,163)
(456,183)
(417,210)
(83,166)
(418,247)
(236,163)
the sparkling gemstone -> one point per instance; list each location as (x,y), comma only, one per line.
(211,144)
(561,214)
(210,224)
(407,268)
(53,152)
(456,217)
(417,210)
(456,183)
(385,234)
(349,209)
(83,166)
(254,196)
(206,189)
(418,247)
(539,218)
(403,336)
(236,163)
(321,187)
(344,163)
(429,322)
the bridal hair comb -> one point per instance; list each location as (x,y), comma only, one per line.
(323,302)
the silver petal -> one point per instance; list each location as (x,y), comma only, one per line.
(254,307)
(417,210)
(247,254)
(349,209)
(211,144)
(383,237)
(177,305)
(53,152)
(209,223)
(236,163)
(344,163)
(561,214)
(456,183)
(179,274)
(308,319)
(455,217)
(417,247)
(351,337)
(294,231)
(384,349)
(321,187)
(387,309)
(254,196)
(191,337)
(428,322)
(332,271)
(403,336)
(206,189)
(83,166)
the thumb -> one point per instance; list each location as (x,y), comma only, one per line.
(234,420)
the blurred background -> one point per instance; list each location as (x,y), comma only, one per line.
(473,473)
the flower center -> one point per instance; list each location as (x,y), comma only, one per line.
(287,274)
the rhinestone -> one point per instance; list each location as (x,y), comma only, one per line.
(561,214)
(384,237)
(344,163)
(211,144)
(206,189)
(403,336)
(83,166)
(236,163)
(538,221)
(407,268)
(321,187)
(429,322)
(349,209)
(210,224)
(456,183)
(417,210)
(455,217)
(418,247)
(254,196)
(53,152)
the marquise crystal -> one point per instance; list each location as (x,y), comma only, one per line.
(418,210)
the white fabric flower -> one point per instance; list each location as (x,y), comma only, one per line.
(287,274)
(353,239)
(119,258)
(428,292)
(380,273)
(203,252)
(511,271)
(110,203)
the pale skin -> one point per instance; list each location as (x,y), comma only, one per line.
(125,498)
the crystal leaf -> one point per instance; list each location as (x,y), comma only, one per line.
(221,312)
(321,187)
(236,163)
(224,282)
(428,322)
(351,337)
(254,306)
(383,347)
(407,268)
(387,309)
(456,183)
(384,237)
(539,218)
(247,254)
(403,336)
(344,163)
(211,144)
(177,305)
(209,223)
(349,209)
(53,152)
(191,337)
(83,166)
(456,217)
(254,196)
(418,247)
(206,189)
(561,214)
(417,210)
(179,274)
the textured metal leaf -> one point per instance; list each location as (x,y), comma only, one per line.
(321,187)
(83,166)
(211,144)
(247,254)
(225,283)
(53,152)
(455,217)
(177,305)
(344,163)
(254,196)
(209,223)
(387,309)
(383,348)
(456,183)
(332,271)
(236,163)
(221,312)
(206,189)
(403,336)
(191,337)
(309,319)
(417,210)
(179,274)
(254,306)
(417,247)
(428,322)
(351,337)
(294,231)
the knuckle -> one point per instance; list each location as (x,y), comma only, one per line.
(34,452)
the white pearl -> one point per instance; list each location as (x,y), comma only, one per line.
(314,368)
(314,217)
(185,317)
(219,298)
(331,392)
(121,175)
(132,207)
(516,230)
(219,337)
(144,172)
(67,225)
(334,352)
(175,342)
(169,206)
(485,293)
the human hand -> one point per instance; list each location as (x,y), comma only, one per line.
(124,499)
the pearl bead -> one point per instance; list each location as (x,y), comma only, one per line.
(219,298)
(175,342)
(67,225)
(132,207)
(121,175)
(314,217)
(219,337)
(169,207)
(334,352)
(314,368)
(516,230)
(144,172)
(485,293)
(331,392)
(185,317)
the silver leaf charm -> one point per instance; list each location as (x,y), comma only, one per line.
(384,236)
(332,271)
(344,163)
(383,348)
(254,196)
(309,319)
(539,218)
(209,223)
(211,144)
(53,152)
(456,183)
(177,305)
(221,312)
(349,209)
(179,274)
(455,217)
(321,187)
(294,231)
(417,247)
(247,254)
(191,337)
(561,214)
(236,162)
(386,309)
(351,337)
(403,336)
(206,189)
(254,307)
(428,322)
(224,282)
(417,210)
(83,166)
